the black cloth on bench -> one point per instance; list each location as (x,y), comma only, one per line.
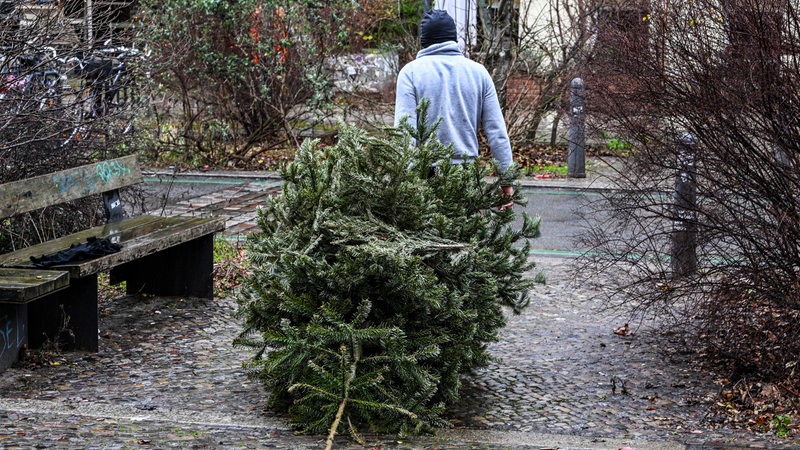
(93,248)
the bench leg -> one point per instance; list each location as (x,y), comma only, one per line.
(185,269)
(13,333)
(68,317)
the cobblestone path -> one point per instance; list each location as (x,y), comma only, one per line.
(167,375)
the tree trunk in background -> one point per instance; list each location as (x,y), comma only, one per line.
(506,33)
(499,25)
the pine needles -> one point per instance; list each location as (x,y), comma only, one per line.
(375,287)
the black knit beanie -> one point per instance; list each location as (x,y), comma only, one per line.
(437,26)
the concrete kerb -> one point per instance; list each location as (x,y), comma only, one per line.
(459,438)
(133,414)
(598,178)
(523,440)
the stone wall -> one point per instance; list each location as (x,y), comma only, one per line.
(370,71)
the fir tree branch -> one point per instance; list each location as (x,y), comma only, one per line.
(437,247)
(345,393)
(385,406)
(335,424)
(314,389)
(365,252)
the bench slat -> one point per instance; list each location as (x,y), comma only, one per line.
(140,236)
(38,192)
(24,285)
(124,230)
(171,233)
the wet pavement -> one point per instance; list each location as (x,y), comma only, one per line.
(167,375)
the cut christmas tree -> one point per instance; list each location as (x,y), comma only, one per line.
(377,283)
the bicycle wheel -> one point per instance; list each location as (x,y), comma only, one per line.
(79,113)
(50,100)
(91,102)
(120,94)
(121,98)
(51,86)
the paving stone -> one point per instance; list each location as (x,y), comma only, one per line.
(168,376)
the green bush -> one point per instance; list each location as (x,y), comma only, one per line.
(236,74)
(385,24)
(374,287)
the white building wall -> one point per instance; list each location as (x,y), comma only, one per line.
(544,28)
(534,14)
(465,14)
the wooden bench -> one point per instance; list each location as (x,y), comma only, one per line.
(169,256)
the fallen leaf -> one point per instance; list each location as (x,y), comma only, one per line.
(624,330)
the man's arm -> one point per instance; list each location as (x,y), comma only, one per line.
(508,191)
(494,126)
(405,102)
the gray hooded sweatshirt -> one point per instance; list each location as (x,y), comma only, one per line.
(462,92)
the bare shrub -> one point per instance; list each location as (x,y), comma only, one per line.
(53,113)
(554,41)
(726,75)
(239,78)
(384,24)
(382,29)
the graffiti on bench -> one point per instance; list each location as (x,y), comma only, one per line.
(85,179)
(38,192)
(12,334)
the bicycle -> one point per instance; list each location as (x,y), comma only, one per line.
(106,80)
(27,85)
(106,87)
(120,92)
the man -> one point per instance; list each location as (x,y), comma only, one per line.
(460,91)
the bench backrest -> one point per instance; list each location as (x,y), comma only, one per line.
(41,191)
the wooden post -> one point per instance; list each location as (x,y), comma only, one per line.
(576,150)
(68,317)
(684,223)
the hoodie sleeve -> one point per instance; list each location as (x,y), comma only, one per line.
(494,126)
(405,103)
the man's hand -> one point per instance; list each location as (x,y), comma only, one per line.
(508,191)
